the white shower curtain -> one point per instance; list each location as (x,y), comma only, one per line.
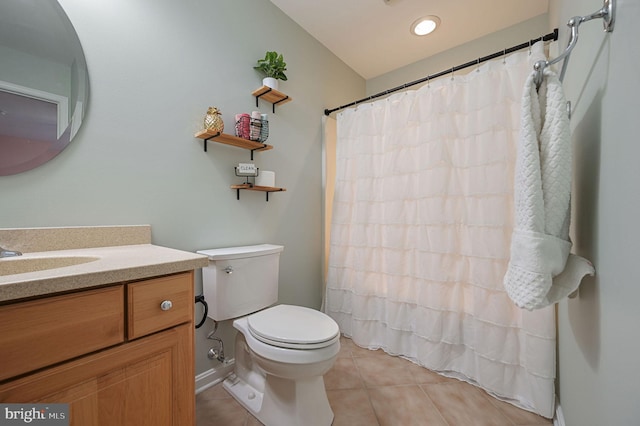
(421,229)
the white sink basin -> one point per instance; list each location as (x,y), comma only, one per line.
(23,265)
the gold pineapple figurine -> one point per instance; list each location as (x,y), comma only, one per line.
(213,120)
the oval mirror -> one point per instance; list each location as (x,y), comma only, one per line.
(44,83)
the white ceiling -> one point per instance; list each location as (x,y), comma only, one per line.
(372,36)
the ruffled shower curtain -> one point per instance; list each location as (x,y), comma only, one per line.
(421,228)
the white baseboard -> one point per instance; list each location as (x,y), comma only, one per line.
(213,376)
(558,419)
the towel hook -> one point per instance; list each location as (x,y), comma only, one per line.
(606,13)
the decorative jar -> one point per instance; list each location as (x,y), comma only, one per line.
(213,120)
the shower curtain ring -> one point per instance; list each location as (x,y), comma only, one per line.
(478,65)
(529,47)
(504,56)
(452,73)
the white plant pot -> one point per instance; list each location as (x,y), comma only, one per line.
(270,82)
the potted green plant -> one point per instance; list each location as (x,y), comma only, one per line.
(273,67)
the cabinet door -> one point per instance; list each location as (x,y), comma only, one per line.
(146,382)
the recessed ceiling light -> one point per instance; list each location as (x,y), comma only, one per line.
(425,25)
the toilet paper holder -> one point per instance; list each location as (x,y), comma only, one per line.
(247,176)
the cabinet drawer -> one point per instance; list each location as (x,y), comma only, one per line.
(43,332)
(146,314)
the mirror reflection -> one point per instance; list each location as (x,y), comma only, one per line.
(43,83)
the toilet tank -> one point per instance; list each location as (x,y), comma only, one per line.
(240,280)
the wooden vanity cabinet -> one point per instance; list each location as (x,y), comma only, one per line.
(144,376)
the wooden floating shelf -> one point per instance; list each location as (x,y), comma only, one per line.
(271,95)
(250,187)
(231,140)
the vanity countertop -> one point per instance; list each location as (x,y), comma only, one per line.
(121,254)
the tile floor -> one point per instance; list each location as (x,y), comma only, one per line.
(371,388)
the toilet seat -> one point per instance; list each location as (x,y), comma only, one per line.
(293,327)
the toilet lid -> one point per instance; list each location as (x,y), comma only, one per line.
(293,327)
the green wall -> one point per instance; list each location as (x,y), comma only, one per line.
(154,69)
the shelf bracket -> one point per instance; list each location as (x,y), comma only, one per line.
(256,149)
(273,106)
(238,195)
(261,94)
(211,137)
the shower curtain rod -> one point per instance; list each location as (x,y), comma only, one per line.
(551,36)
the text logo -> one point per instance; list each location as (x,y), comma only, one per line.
(34,414)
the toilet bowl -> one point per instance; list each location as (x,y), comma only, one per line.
(282,351)
(284,385)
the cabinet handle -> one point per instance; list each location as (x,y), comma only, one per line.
(166,305)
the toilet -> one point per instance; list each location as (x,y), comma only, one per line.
(281,351)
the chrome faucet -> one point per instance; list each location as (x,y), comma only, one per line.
(9,253)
